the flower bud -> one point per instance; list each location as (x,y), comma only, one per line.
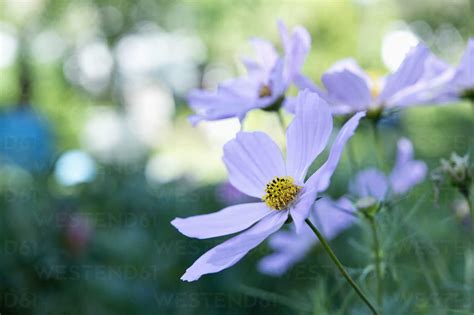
(457,170)
(369,206)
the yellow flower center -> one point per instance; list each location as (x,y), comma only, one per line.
(264,91)
(280,192)
(375,91)
(376,86)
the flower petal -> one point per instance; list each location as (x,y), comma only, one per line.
(226,221)
(277,85)
(290,248)
(231,251)
(369,183)
(252,160)
(303,83)
(233,98)
(434,86)
(465,70)
(347,85)
(331,217)
(319,181)
(260,67)
(407,171)
(296,49)
(302,207)
(307,134)
(408,73)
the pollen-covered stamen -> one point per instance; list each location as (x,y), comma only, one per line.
(280,192)
(265,91)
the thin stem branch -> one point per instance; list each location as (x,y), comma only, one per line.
(281,119)
(378,260)
(465,194)
(469,253)
(341,268)
(379,154)
(352,157)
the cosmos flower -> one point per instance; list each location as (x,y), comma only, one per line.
(256,167)
(406,173)
(333,217)
(268,77)
(349,89)
(449,85)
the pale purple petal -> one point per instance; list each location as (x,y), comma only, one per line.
(347,85)
(303,83)
(301,209)
(289,248)
(308,133)
(407,171)
(277,85)
(224,222)
(407,74)
(289,104)
(434,86)
(264,61)
(465,71)
(233,98)
(321,178)
(252,160)
(331,218)
(296,49)
(369,183)
(231,251)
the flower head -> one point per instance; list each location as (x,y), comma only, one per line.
(256,167)
(406,173)
(350,89)
(445,84)
(268,77)
(369,188)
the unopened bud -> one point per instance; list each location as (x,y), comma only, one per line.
(458,171)
(369,206)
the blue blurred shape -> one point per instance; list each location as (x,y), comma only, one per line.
(25,139)
(75,167)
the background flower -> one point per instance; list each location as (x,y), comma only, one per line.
(350,89)
(268,78)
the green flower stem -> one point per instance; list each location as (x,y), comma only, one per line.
(341,268)
(378,146)
(469,253)
(352,157)
(281,119)
(378,260)
(465,194)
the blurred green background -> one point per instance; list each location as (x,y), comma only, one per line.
(97,156)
